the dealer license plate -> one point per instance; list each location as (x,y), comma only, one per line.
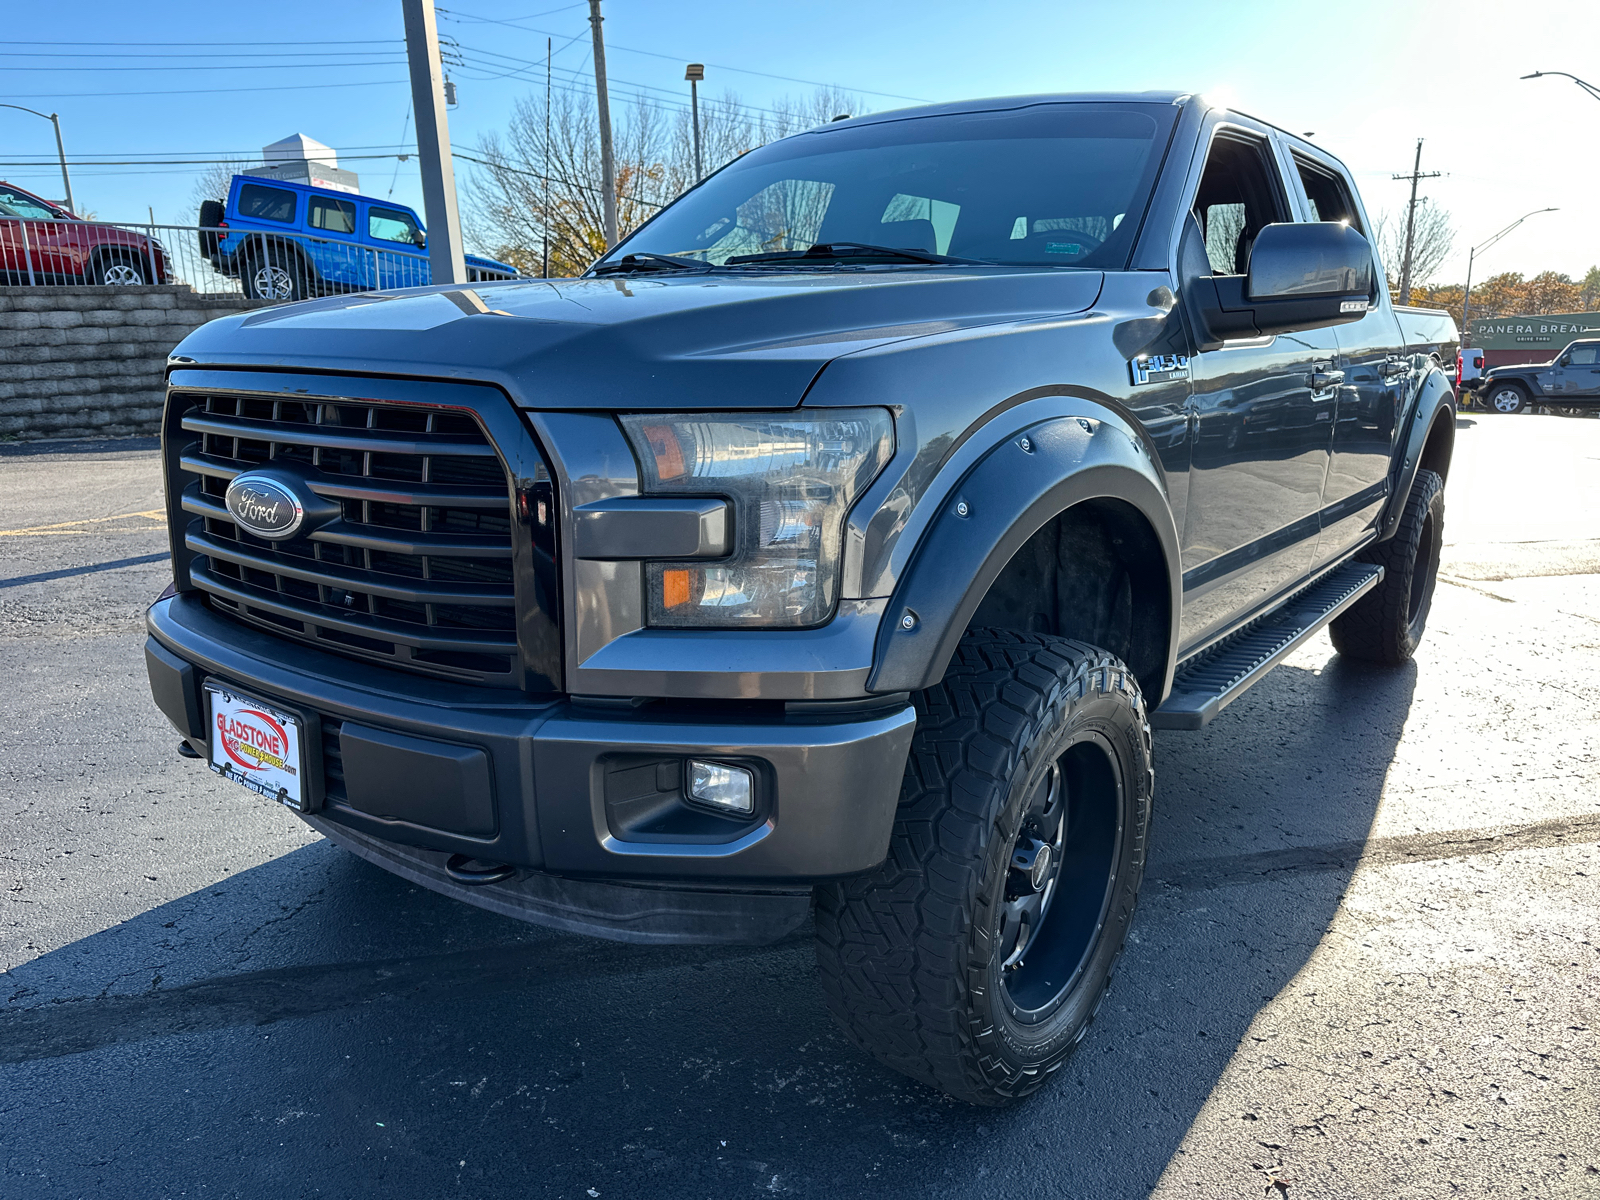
(257,745)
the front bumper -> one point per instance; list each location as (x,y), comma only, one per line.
(553,788)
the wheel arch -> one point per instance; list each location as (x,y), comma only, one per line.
(1080,514)
(1429,444)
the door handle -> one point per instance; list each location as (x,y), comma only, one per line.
(1394,368)
(1324,378)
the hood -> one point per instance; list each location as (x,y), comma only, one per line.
(708,341)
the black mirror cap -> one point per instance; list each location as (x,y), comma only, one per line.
(1291,261)
(1308,260)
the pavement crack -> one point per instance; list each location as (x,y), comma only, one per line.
(1269,865)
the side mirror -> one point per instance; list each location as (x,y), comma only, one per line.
(1301,276)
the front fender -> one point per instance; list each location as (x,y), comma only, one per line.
(1008,496)
(1435,402)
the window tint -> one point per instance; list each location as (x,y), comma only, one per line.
(1239,196)
(13,205)
(1330,199)
(392,225)
(1043,184)
(336,216)
(266,203)
(1585,356)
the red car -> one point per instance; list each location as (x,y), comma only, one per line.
(43,243)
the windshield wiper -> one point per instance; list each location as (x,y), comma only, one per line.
(838,250)
(645,261)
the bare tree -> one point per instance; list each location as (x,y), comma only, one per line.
(511,212)
(1433,235)
(213,182)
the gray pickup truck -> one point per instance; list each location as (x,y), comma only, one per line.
(828,551)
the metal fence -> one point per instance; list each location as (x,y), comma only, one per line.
(213,260)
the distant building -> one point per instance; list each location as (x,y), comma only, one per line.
(299,159)
(1507,340)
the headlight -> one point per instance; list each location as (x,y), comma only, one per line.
(792,479)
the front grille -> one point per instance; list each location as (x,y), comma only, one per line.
(418,569)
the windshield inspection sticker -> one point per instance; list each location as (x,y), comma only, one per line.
(1063,247)
(1159,368)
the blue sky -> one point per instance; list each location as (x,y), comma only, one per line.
(1367,77)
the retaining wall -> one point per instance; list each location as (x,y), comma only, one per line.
(83,361)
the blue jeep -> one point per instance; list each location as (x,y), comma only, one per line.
(288,241)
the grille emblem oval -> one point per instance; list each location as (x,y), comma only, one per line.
(265,506)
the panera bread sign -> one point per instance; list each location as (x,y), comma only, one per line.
(1551,332)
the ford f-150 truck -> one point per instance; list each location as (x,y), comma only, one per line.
(827,551)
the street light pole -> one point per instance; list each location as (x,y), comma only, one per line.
(1466,303)
(694,74)
(1584,84)
(61,152)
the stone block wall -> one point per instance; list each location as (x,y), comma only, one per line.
(89,361)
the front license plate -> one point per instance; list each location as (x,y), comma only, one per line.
(257,745)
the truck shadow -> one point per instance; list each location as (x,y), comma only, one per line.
(316,1026)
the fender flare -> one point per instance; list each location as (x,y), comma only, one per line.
(1010,494)
(1435,401)
(259,243)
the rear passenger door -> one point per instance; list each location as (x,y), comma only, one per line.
(1376,378)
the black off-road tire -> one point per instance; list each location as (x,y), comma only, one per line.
(910,955)
(1386,625)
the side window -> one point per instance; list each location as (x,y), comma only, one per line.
(266,203)
(335,216)
(1330,199)
(1239,196)
(1584,356)
(392,225)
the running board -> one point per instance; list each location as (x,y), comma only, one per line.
(1213,679)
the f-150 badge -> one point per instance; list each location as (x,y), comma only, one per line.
(1159,368)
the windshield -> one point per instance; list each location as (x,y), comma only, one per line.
(1044,185)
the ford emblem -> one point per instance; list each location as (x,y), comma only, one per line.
(265,506)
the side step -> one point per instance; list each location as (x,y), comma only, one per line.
(1213,679)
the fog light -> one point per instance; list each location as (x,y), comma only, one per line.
(732,789)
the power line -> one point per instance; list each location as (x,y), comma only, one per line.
(680,58)
(288,87)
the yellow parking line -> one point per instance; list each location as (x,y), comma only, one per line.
(155,514)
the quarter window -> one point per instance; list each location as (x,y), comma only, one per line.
(266,203)
(334,216)
(392,225)
(1329,198)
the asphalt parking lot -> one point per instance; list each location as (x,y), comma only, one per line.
(1366,963)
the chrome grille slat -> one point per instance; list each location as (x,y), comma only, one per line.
(416,573)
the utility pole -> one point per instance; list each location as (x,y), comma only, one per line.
(446,260)
(545,273)
(695,73)
(608,165)
(1411,220)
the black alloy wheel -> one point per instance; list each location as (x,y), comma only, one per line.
(976,956)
